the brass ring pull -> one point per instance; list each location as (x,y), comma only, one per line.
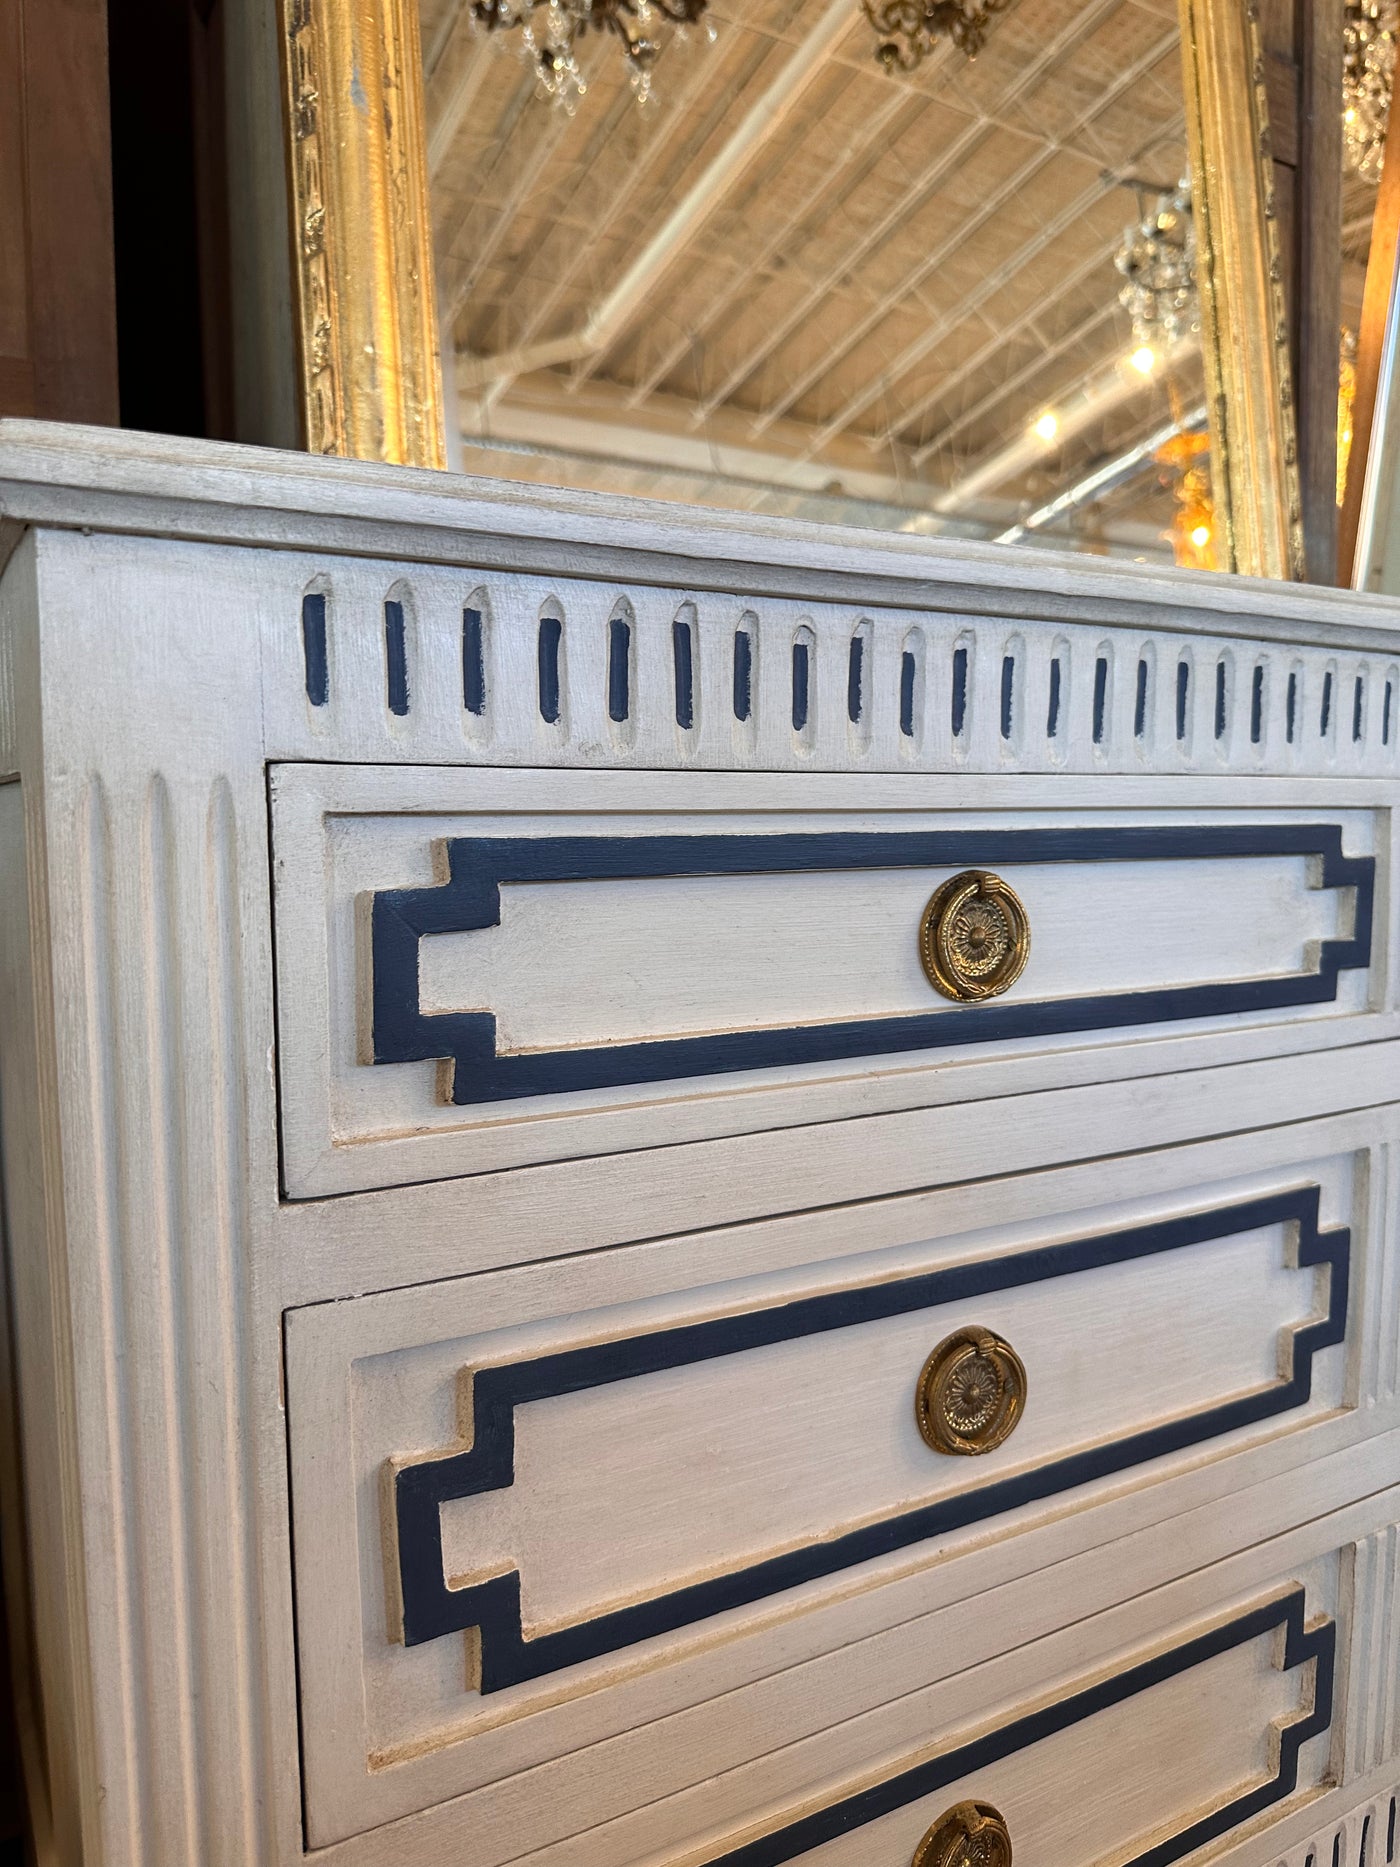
(971,1393)
(974,938)
(970,1834)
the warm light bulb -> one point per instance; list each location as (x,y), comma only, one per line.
(1349,114)
(1144,360)
(1048,426)
(1201,537)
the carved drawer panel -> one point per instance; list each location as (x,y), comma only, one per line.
(1169,1745)
(540,1505)
(484,970)
(1172,1750)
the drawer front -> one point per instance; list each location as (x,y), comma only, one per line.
(541,972)
(538,1502)
(806,1418)
(1169,1752)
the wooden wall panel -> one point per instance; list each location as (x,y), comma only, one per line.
(58,339)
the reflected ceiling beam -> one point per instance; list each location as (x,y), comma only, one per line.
(527,178)
(448,105)
(600,424)
(915,352)
(1107,478)
(1029,370)
(446,239)
(601,217)
(907,202)
(610,315)
(870,136)
(453,15)
(1108,391)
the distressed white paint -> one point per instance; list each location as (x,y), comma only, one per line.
(151,674)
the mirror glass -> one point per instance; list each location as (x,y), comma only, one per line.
(804,258)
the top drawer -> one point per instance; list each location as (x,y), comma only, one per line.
(483,969)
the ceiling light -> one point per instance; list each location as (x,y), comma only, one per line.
(1157,259)
(1144,359)
(550,30)
(908,30)
(1048,426)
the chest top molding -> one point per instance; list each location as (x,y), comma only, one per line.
(101,479)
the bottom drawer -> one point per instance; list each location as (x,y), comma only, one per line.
(1211,1712)
(1172,1748)
(1136,1738)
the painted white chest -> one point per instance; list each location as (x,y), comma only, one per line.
(686,1193)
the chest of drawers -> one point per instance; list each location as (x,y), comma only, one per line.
(683,1193)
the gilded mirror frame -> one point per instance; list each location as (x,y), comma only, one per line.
(363,285)
(1244,318)
(362,262)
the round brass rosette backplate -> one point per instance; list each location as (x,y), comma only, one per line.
(974,938)
(970,1834)
(971,1393)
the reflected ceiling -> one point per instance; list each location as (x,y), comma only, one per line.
(797,283)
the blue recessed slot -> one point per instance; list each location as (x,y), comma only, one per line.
(619,671)
(855,669)
(959,719)
(1052,713)
(473,662)
(1100,697)
(313,647)
(743,674)
(683,655)
(396,658)
(547,653)
(801,679)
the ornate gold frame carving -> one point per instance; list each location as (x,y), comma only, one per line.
(362,262)
(1244,318)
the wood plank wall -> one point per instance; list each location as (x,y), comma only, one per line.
(58,330)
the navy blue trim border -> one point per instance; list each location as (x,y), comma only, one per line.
(432,1608)
(1301,1644)
(478,867)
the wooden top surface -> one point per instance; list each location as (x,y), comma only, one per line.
(105,479)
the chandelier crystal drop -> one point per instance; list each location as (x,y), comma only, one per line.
(550,31)
(1368,77)
(908,30)
(1157,259)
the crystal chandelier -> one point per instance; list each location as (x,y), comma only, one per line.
(551,29)
(1158,262)
(1368,76)
(907,30)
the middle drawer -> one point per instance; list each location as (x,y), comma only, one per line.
(545,1504)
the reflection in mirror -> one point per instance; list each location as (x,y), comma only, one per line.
(832,266)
